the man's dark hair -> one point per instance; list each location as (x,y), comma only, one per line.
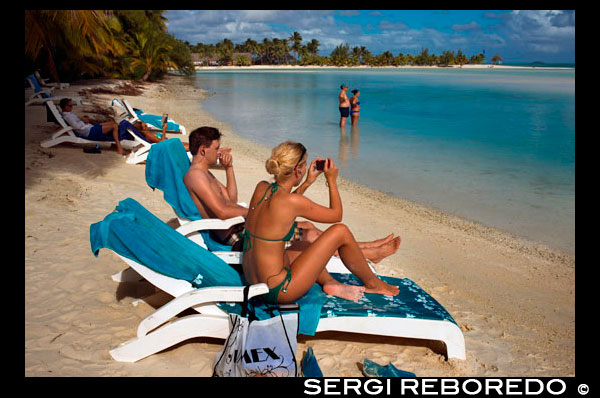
(63,102)
(202,136)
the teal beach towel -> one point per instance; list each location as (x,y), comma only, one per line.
(166,165)
(36,86)
(135,233)
(155,120)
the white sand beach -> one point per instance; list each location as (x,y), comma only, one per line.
(513,300)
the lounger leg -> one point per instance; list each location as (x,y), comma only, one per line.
(54,141)
(173,333)
(127,275)
(413,328)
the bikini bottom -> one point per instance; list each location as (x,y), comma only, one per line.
(273,294)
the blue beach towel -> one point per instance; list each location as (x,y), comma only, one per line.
(124,125)
(155,120)
(166,165)
(135,233)
(36,86)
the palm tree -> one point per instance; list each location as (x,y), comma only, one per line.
(461,58)
(149,52)
(447,58)
(400,59)
(496,59)
(78,33)
(313,47)
(303,52)
(225,50)
(339,55)
(266,50)
(296,38)
(252,47)
(354,56)
(280,49)
(477,59)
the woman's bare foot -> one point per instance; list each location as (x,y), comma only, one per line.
(376,254)
(381,287)
(377,242)
(348,292)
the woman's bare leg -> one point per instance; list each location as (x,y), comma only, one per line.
(309,267)
(375,250)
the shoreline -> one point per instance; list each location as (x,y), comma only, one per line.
(514,300)
(495,235)
(301,67)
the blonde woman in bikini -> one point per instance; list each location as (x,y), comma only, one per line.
(270,223)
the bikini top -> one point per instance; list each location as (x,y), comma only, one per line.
(271,189)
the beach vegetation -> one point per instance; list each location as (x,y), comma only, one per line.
(241,60)
(296,40)
(224,50)
(68,43)
(148,55)
(276,51)
(340,55)
(313,47)
(477,59)
(73,44)
(497,59)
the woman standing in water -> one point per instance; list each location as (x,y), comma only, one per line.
(355,107)
(271,219)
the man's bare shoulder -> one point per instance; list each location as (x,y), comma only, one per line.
(196,176)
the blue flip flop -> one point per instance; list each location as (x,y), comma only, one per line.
(310,367)
(371,369)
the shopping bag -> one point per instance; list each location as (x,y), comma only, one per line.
(260,347)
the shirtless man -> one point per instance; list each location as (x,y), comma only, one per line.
(212,198)
(215,200)
(344,104)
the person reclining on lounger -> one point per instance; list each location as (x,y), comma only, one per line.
(215,200)
(105,131)
(153,135)
(271,220)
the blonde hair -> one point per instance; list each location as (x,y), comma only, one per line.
(284,159)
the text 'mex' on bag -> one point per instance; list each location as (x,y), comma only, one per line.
(260,347)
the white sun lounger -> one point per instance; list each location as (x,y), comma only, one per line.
(132,117)
(47,82)
(412,314)
(37,97)
(66,134)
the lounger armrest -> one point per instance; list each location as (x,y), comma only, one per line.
(39,94)
(195,298)
(211,223)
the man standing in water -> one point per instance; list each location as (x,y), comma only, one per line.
(344,104)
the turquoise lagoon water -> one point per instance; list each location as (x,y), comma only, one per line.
(494,146)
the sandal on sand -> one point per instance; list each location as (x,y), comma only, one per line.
(310,367)
(371,369)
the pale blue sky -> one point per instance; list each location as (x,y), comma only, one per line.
(518,36)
